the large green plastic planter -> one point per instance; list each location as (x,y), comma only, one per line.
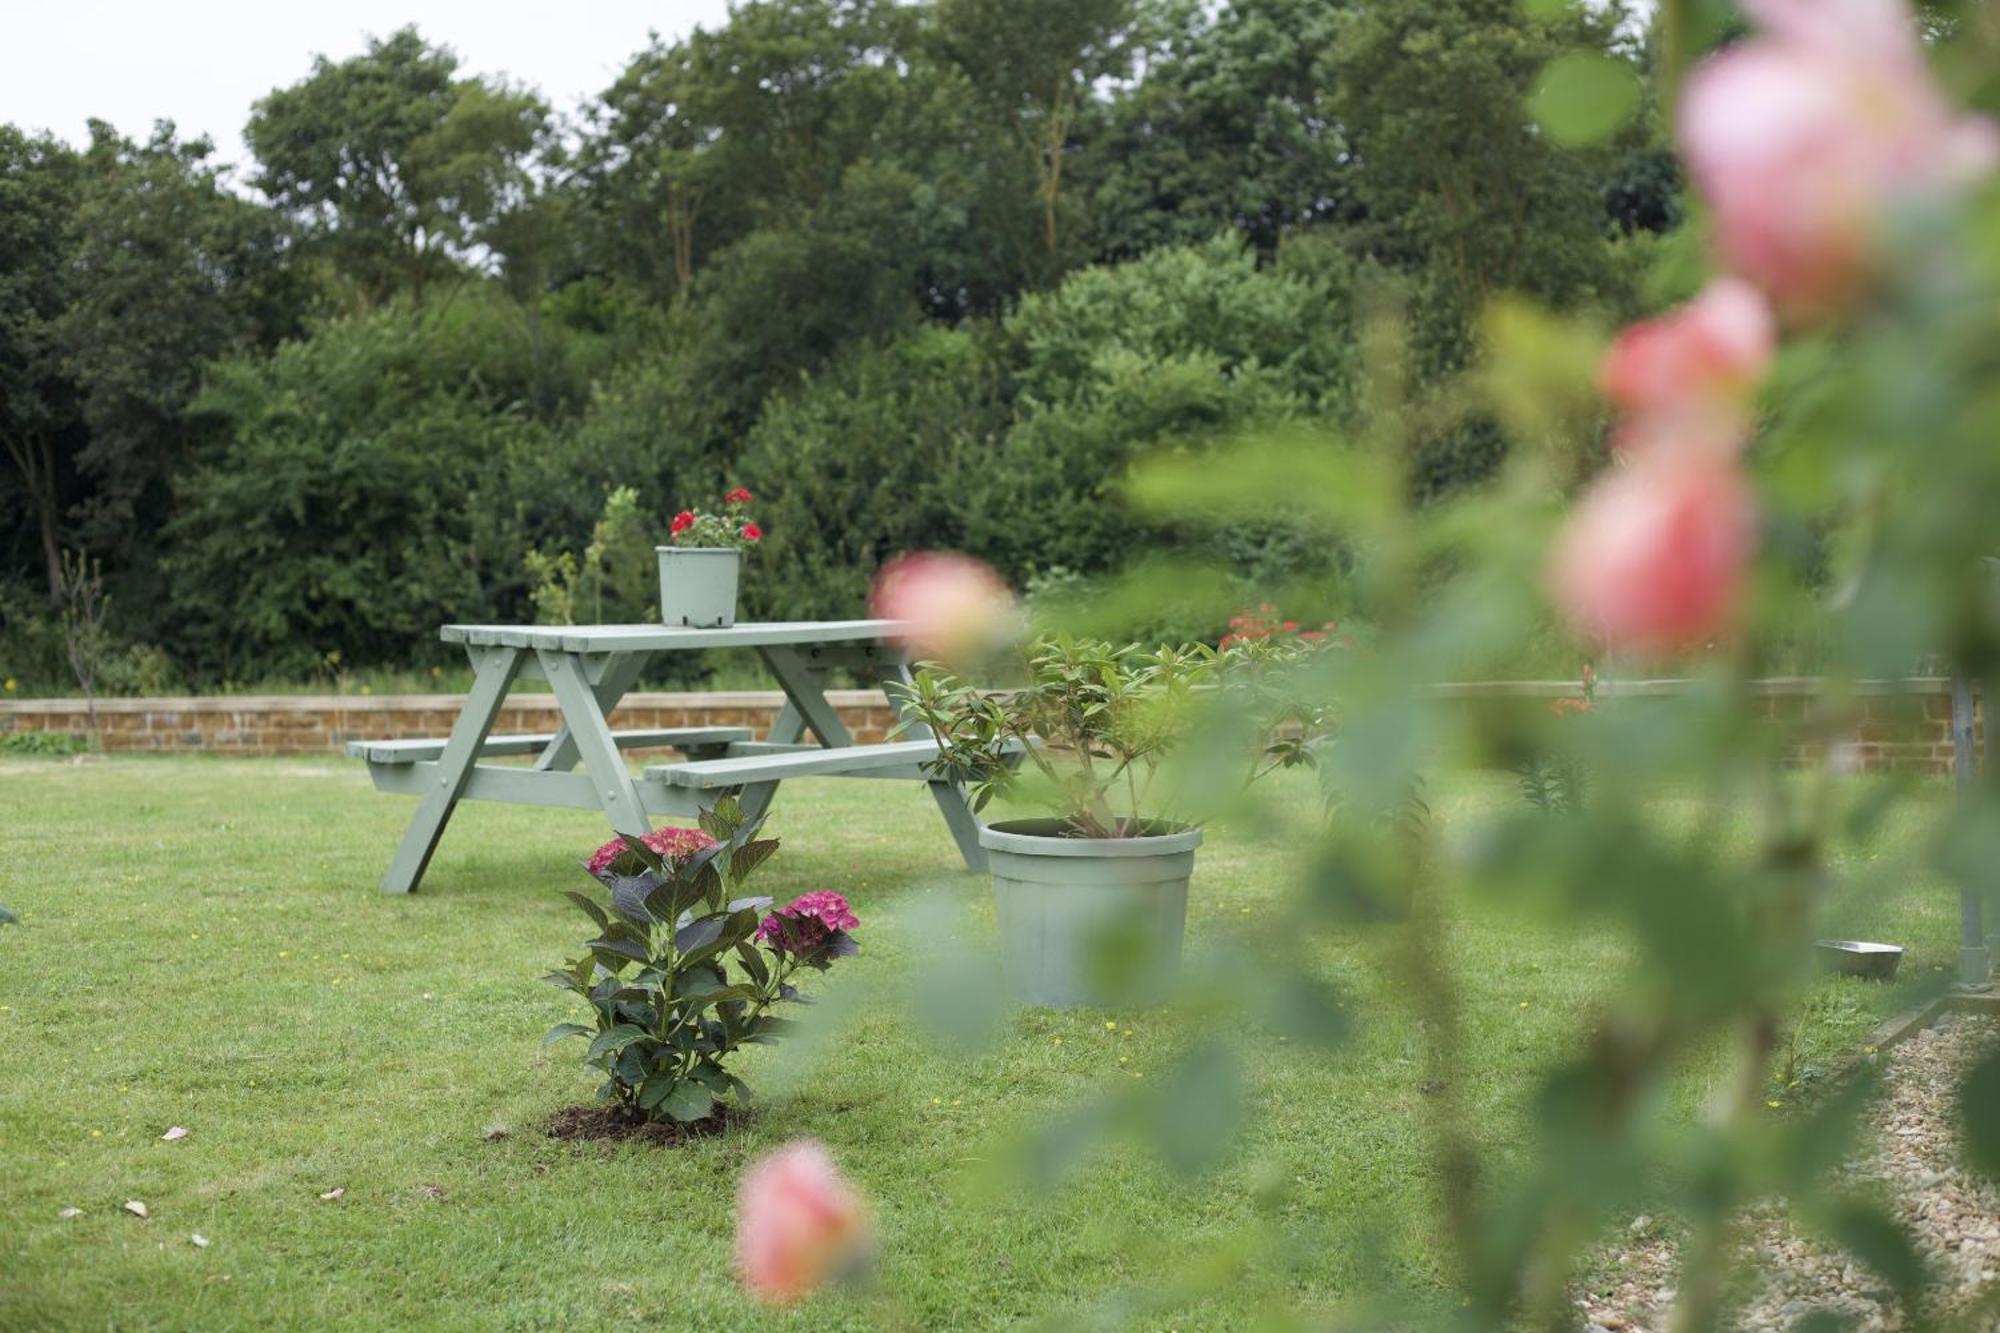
(1089,922)
(698,585)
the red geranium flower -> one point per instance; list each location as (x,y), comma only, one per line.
(738,496)
(682,521)
(752,533)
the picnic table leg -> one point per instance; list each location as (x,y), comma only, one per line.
(583,716)
(952,802)
(805,692)
(490,683)
(787,728)
(620,674)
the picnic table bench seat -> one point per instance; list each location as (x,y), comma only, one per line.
(685,739)
(746,764)
(738,770)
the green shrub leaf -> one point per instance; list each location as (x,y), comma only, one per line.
(589,905)
(687,1100)
(616,1039)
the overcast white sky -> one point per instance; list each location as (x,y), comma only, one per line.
(201,63)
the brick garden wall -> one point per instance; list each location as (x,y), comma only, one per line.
(305,724)
(1905,725)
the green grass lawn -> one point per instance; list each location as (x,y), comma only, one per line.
(204,946)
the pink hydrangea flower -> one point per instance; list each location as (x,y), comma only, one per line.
(798,1223)
(670,842)
(804,923)
(952,607)
(1803,139)
(1654,558)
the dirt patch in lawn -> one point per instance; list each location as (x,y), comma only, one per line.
(608,1124)
(1910,1156)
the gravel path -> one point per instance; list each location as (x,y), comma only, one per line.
(1910,1157)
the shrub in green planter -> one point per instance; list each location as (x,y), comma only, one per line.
(1124,741)
(683,972)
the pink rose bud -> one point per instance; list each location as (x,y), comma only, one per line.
(1654,558)
(951,607)
(1804,138)
(798,1223)
(1714,349)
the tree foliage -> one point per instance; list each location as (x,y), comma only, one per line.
(393,163)
(922,274)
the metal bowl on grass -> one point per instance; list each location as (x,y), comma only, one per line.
(1860,958)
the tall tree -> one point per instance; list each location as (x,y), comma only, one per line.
(393,162)
(1036,65)
(172,270)
(38,177)
(1458,192)
(123,270)
(1450,175)
(1231,126)
(752,125)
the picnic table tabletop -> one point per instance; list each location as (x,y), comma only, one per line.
(668,638)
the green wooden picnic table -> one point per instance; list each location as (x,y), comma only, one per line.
(589,668)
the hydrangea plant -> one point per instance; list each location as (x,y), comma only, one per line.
(683,971)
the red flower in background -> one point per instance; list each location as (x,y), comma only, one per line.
(682,521)
(751,532)
(740,495)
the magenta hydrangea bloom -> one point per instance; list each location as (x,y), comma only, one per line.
(804,923)
(670,842)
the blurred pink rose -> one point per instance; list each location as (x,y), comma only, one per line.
(1653,559)
(1804,137)
(952,606)
(1717,429)
(1709,352)
(798,1223)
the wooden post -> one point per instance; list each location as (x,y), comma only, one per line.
(1975,960)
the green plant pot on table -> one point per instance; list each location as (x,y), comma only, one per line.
(701,564)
